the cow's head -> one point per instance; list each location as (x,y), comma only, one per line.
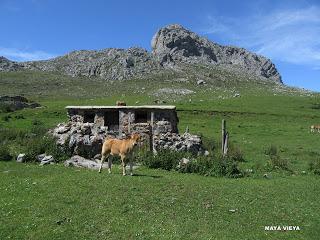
(135,137)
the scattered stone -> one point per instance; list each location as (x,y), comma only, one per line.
(158,101)
(267,176)
(184,161)
(233,210)
(21,158)
(45,159)
(236,95)
(201,82)
(78,161)
(173,91)
(206,153)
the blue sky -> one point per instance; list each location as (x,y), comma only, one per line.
(286,31)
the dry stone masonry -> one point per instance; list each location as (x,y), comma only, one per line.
(89,126)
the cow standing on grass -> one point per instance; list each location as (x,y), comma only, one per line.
(123,148)
(313,128)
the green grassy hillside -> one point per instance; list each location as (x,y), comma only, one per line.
(53,202)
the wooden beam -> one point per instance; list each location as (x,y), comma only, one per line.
(223,134)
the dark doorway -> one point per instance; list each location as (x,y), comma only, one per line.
(111,120)
(141,117)
(88,117)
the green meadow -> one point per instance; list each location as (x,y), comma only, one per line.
(54,202)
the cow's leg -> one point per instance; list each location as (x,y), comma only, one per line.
(131,167)
(109,163)
(103,157)
(123,165)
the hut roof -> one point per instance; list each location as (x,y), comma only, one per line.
(160,107)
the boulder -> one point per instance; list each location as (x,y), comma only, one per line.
(201,82)
(45,159)
(21,158)
(78,161)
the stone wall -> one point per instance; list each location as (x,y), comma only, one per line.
(86,139)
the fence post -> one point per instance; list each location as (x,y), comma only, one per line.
(225,148)
(129,123)
(224,138)
(151,133)
(223,134)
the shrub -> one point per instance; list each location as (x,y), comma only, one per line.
(34,146)
(272,150)
(209,144)
(5,153)
(213,166)
(19,116)
(204,165)
(314,166)
(45,144)
(6,118)
(236,154)
(164,159)
(5,108)
(277,162)
(10,134)
(59,153)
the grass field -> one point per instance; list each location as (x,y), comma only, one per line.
(54,202)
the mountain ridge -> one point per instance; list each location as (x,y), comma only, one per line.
(174,49)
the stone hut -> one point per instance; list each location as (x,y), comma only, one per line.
(122,120)
(89,126)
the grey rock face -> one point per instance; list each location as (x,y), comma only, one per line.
(174,44)
(110,64)
(6,65)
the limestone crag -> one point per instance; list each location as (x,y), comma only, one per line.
(174,49)
(175,44)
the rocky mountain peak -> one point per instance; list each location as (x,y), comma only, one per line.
(172,47)
(174,43)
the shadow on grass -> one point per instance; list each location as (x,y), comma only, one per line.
(145,175)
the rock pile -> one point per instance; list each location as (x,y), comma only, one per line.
(176,142)
(83,139)
(86,139)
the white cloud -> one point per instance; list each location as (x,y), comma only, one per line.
(22,55)
(287,35)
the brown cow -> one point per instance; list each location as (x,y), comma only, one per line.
(123,148)
(313,128)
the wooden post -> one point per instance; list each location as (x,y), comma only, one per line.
(225,147)
(152,148)
(129,123)
(120,125)
(223,135)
